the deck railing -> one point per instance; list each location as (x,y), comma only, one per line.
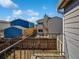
(9,49)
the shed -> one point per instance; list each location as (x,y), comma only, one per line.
(20,22)
(12,32)
(31,25)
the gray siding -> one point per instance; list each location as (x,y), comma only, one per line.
(71,30)
(55,26)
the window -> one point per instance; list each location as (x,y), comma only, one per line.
(40,30)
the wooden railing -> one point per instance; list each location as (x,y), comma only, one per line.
(26,43)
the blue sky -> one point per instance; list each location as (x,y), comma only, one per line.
(30,10)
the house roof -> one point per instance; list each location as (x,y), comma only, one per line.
(52,18)
(41,20)
(56,17)
(62,4)
(19,20)
(2,21)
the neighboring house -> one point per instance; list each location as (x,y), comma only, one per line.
(31,25)
(12,32)
(3,25)
(71,27)
(52,25)
(42,26)
(22,23)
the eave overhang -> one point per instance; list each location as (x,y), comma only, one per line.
(62,4)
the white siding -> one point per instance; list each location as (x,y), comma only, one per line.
(71,29)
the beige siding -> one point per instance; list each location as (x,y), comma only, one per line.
(71,29)
(72,14)
(71,20)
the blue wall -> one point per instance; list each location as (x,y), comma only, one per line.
(20,22)
(23,23)
(31,25)
(12,32)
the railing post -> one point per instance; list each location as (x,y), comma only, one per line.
(20,51)
(24,54)
(23,47)
(10,54)
(5,56)
(36,57)
(61,49)
(14,53)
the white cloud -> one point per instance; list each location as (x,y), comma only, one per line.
(51,14)
(8,18)
(33,19)
(17,13)
(11,5)
(31,13)
(28,12)
(44,7)
(8,4)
